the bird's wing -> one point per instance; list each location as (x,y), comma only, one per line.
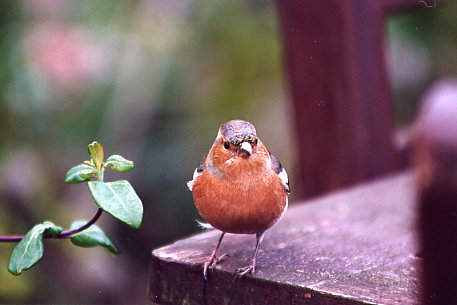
(197,172)
(281,171)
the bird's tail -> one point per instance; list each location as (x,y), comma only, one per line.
(203,225)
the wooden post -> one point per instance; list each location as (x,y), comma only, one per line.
(436,162)
(334,54)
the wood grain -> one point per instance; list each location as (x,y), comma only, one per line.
(350,247)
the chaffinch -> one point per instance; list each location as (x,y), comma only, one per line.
(239,187)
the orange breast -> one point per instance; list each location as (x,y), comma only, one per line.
(250,204)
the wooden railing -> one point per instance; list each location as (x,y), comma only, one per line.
(361,245)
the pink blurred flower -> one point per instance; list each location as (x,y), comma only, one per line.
(64,56)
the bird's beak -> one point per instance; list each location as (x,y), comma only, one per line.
(246,148)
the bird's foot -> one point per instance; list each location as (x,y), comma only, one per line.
(246,270)
(211,263)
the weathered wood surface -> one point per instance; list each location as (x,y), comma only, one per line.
(351,247)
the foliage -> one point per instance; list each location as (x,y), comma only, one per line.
(30,249)
(117,198)
(92,237)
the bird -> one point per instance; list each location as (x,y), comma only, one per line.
(239,187)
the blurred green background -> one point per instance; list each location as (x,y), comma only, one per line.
(151,80)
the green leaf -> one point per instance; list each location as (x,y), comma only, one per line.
(79,173)
(52,230)
(119,164)
(96,154)
(92,237)
(119,199)
(30,249)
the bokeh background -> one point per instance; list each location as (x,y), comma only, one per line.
(151,80)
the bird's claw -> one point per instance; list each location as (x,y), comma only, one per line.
(246,270)
(211,263)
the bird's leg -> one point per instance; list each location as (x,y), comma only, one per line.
(213,260)
(251,268)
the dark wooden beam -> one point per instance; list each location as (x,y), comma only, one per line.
(436,160)
(334,54)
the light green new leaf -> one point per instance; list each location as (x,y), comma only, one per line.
(119,199)
(96,154)
(30,249)
(79,173)
(92,237)
(119,164)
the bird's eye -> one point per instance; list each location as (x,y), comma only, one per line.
(226,145)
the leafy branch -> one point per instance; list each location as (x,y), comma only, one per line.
(117,198)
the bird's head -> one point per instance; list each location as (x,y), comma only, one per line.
(237,137)
(236,142)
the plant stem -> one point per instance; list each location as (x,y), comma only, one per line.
(69,233)
(61,235)
(11,239)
